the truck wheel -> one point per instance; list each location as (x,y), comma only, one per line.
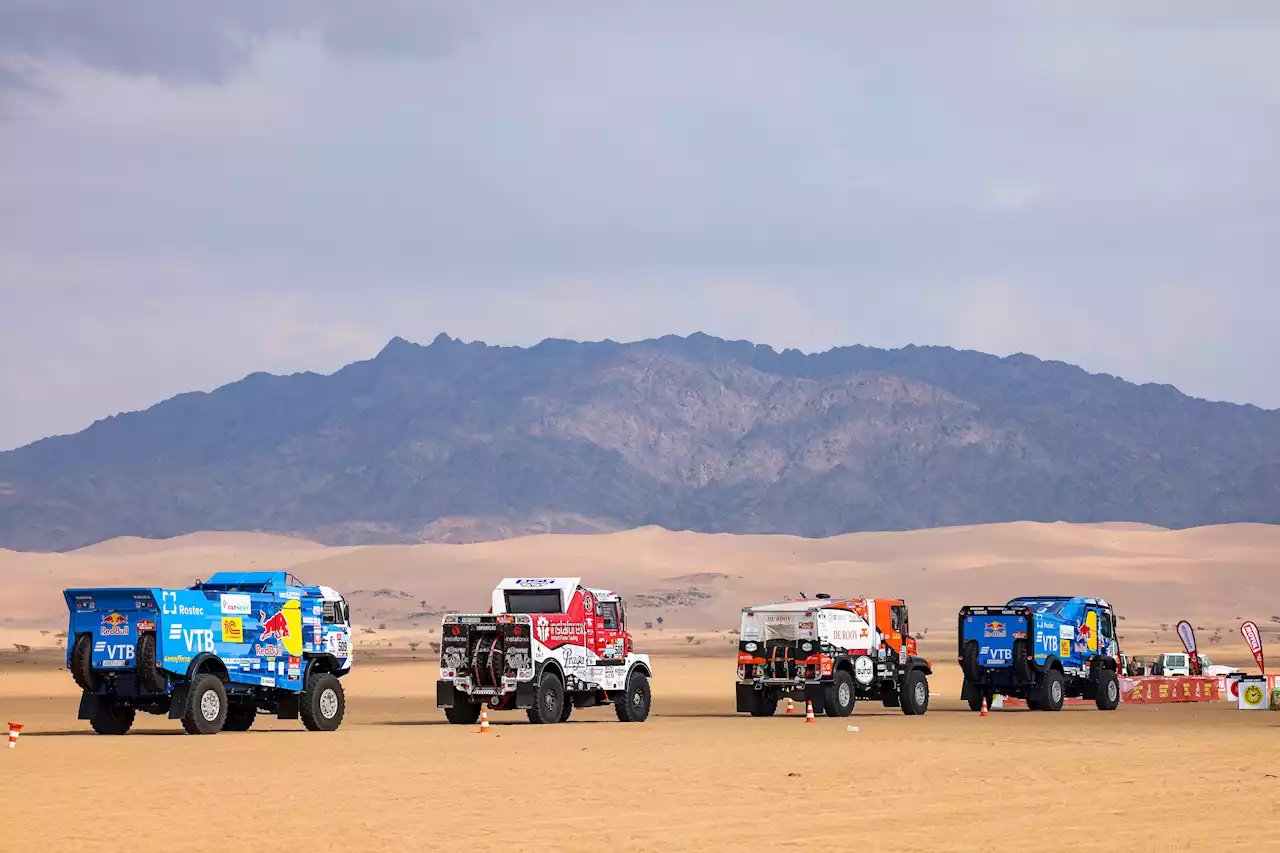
(915,693)
(1051,691)
(82,663)
(240,717)
(761,704)
(547,701)
(634,707)
(566,709)
(463,712)
(969,659)
(109,718)
(837,697)
(148,675)
(1108,698)
(976,695)
(323,703)
(206,709)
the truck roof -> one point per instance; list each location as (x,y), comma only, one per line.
(248,581)
(540,583)
(802,604)
(1033,600)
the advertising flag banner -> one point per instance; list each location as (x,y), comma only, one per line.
(1254,639)
(1189,643)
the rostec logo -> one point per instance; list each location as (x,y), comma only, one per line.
(169,605)
(113,624)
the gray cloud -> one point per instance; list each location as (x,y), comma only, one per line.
(194,195)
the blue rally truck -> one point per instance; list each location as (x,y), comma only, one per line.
(211,655)
(1041,649)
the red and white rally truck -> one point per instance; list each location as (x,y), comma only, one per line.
(832,652)
(546,645)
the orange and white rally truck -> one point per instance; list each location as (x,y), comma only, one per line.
(831,652)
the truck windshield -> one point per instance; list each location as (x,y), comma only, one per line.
(532,600)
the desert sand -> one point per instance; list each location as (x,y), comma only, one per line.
(694,776)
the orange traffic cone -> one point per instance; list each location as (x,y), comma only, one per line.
(15,729)
(983,712)
(484,720)
(791,706)
(808,711)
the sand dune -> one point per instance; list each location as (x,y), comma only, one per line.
(698,582)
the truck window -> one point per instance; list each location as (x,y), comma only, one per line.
(897,618)
(1104,625)
(609,613)
(532,600)
(335,612)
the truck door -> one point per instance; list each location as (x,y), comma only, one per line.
(611,631)
(591,625)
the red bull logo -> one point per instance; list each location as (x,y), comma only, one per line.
(994,629)
(114,624)
(285,626)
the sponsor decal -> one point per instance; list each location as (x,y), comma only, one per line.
(996,657)
(232,629)
(310,620)
(177,659)
(236,604)
(198,639)
(269,650)
(863,669)
(267,680)
(118,654)
(114,624)
(535,582)
(1067,632)
(1065,649)
(994,629)
(146,625)
(284,625)
(559,632)
(169,605)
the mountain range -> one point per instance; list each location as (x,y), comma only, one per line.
(459,441)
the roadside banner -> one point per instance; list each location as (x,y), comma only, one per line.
(1254,639)
(1253,693)
(1189,643)
(1150,690)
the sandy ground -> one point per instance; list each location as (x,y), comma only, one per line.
(695,776)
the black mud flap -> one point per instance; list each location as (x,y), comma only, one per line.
(444,694)
(178,700)
(526,694)
(288,706)
(815,693)
(744,692)
(87,702)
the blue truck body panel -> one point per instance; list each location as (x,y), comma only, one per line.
(1018,641)
(262,626)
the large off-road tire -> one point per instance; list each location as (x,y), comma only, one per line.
(837,697)
(1021,666)
(323,702)
(240,717)
(149,676)
(1052,692)
(463,712)
(205,711)
(976,695)
(915,693)
(82,663)
(109,718)
(634,706)
(1108,691)
(548,700)
(969,660)
(566,709)
(763,703)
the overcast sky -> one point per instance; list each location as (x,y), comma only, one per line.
(192,192)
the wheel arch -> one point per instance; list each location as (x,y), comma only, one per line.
(210,663)
(642,667)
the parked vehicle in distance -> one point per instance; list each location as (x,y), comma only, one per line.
(211,655)
(546,646)
(830,652)
(1172,664)
(1041,649)
(1208,667)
